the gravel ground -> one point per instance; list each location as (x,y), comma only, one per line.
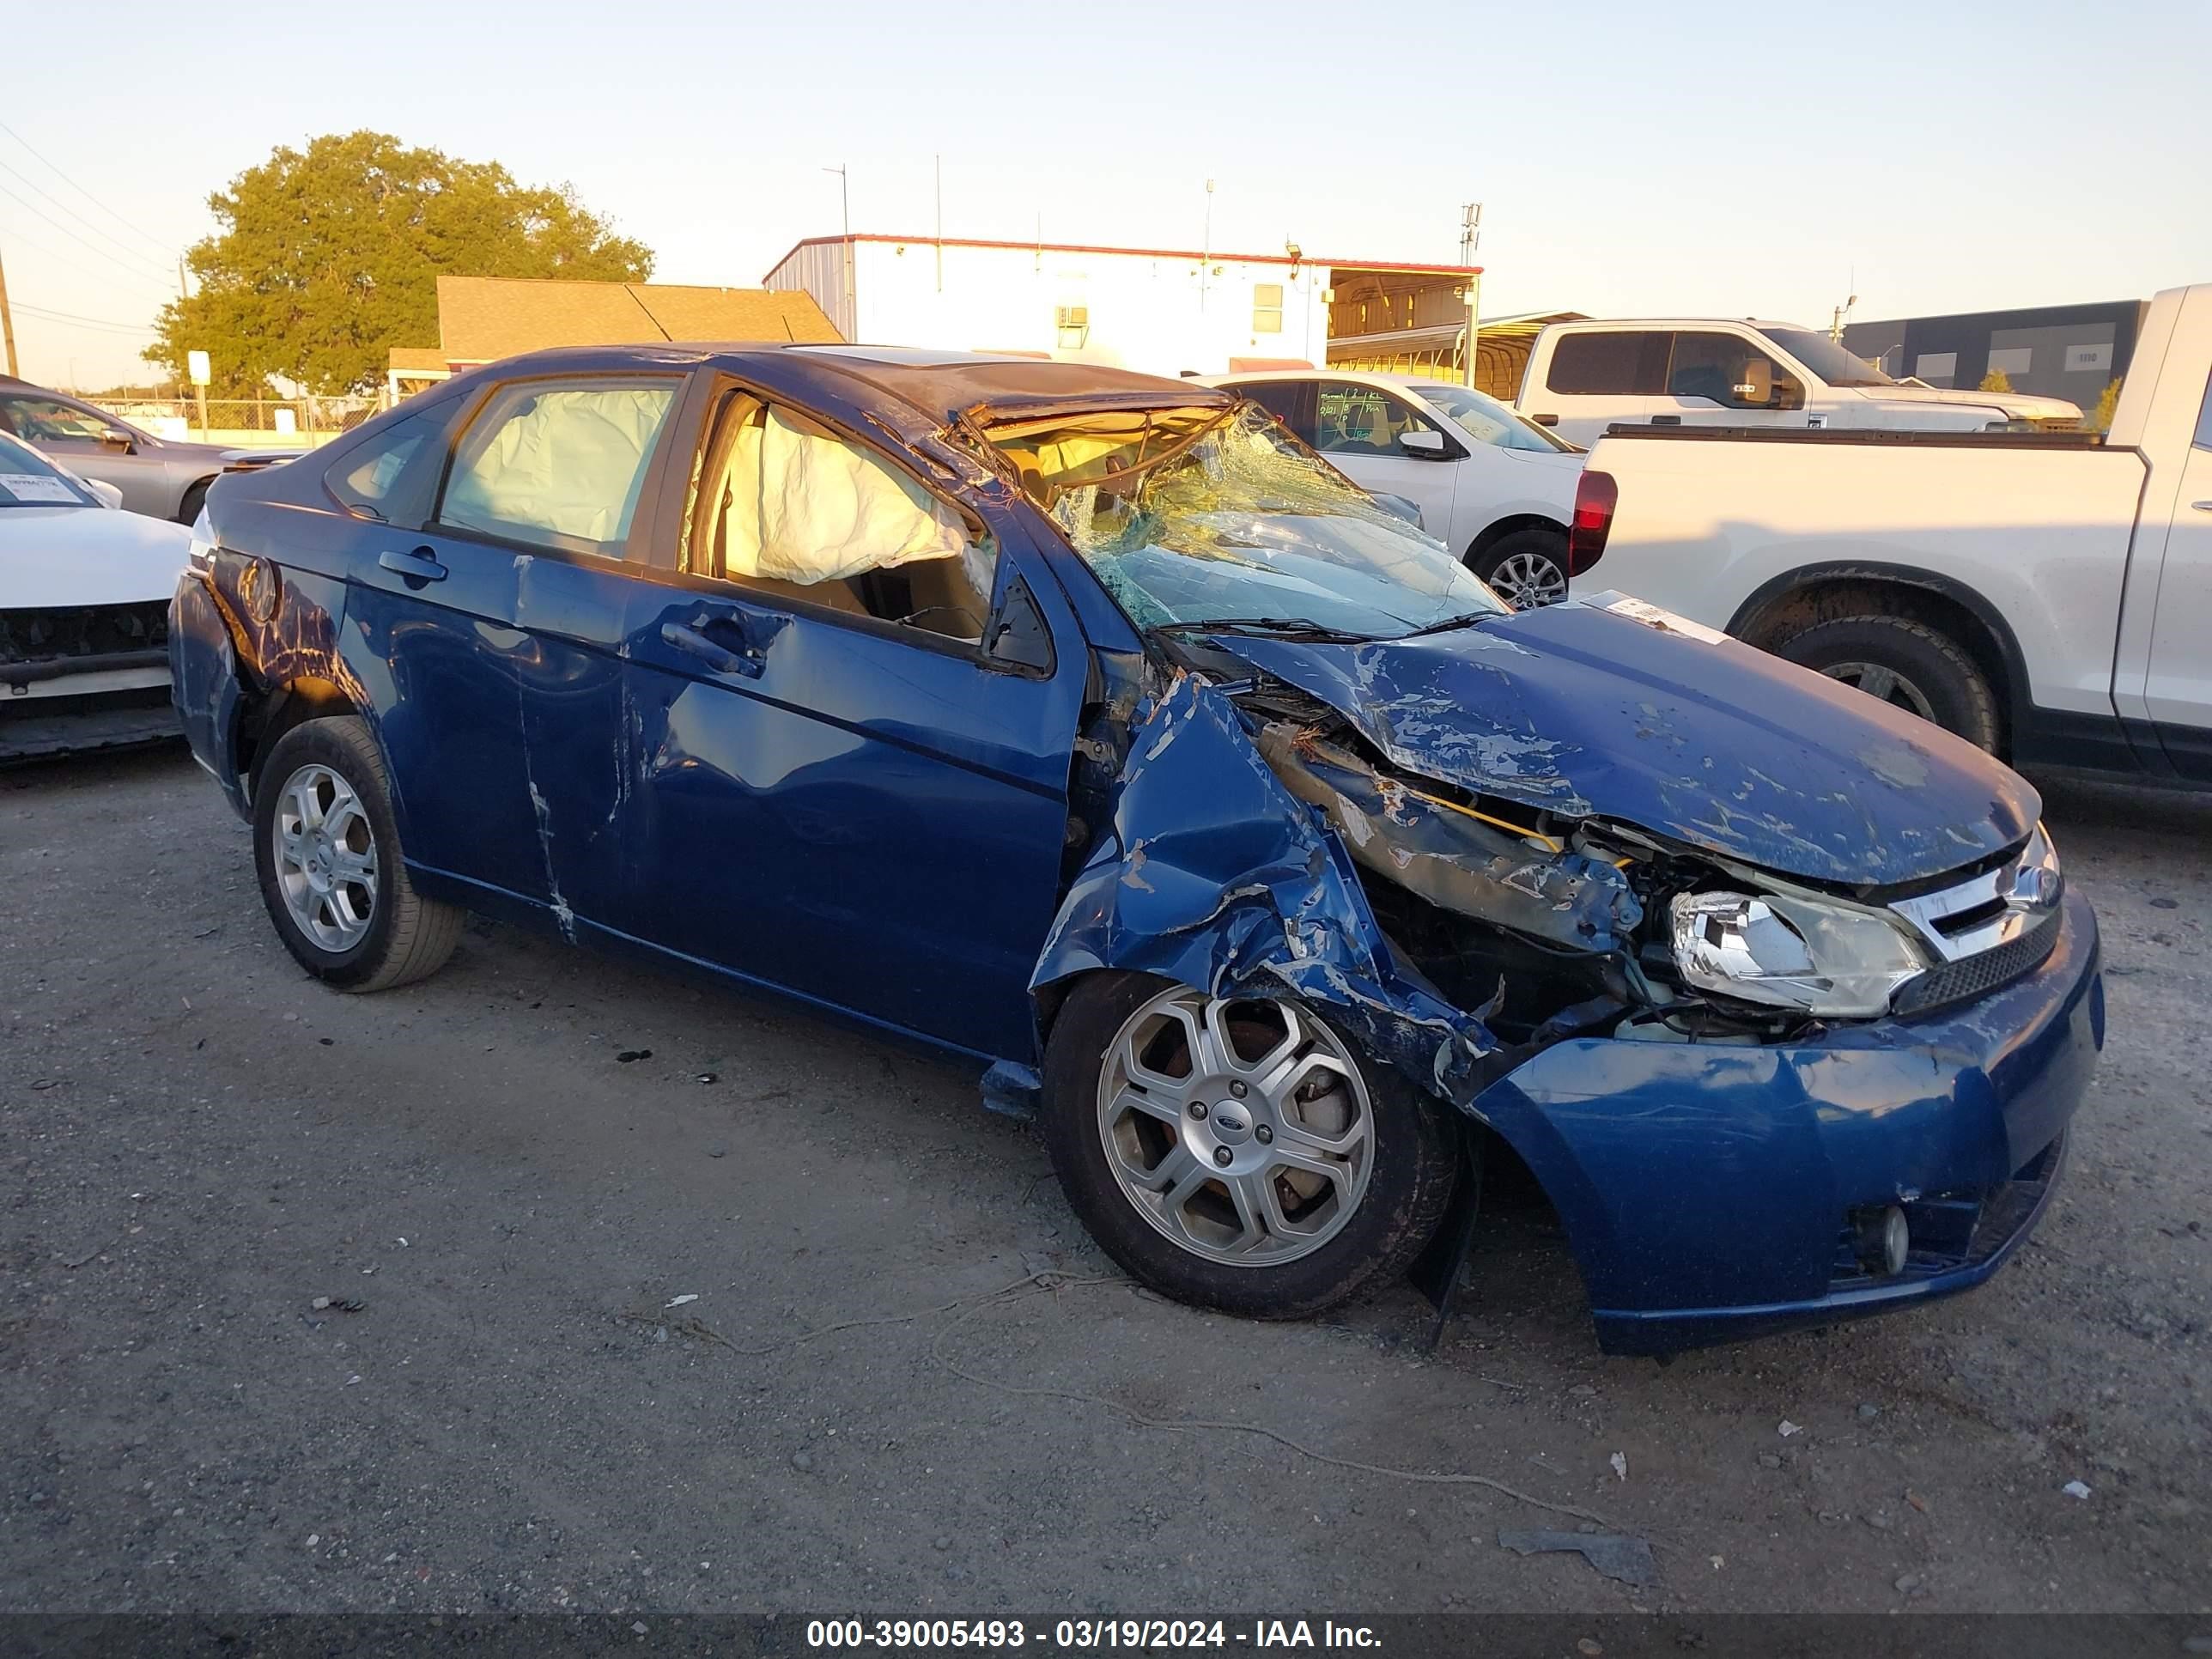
(199,1143)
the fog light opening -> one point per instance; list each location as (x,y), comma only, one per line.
(1882,1239)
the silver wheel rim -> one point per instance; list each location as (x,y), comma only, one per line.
(1525,580)
(325,858)
(1242,1132)
(1886,683)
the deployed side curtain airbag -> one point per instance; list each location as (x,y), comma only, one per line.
(569,461)
(806,506)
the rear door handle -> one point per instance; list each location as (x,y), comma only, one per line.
(2202,506)
(417,566)
(688,638)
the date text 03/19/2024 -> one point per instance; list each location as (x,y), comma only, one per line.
(1084,1635)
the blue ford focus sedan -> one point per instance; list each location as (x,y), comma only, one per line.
(1087,729)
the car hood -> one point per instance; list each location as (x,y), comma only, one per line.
(1589,711)
(72,556)
(2015,405)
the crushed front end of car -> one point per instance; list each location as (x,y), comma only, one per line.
(1778,993)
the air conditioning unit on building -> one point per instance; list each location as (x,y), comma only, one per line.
(1073,322)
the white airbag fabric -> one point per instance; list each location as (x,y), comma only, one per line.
(807,506)
(572,463)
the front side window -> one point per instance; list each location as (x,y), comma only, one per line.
(1723,368)
(788,508)
(43,421)
(1190,517)
(1615,364)
(1363,420)
(29,479)
(558,465)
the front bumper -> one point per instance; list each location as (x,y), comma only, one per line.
(204,682)
(1705,1188)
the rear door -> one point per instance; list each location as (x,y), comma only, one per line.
(1596,377)
(1363,430)
(2179,689)
(852,786)
(496,615)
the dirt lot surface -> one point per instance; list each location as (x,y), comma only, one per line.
(197,1143)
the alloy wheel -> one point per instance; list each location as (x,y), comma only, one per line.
(325,858)
(1240,1130)
(1526,580)
(1878,680)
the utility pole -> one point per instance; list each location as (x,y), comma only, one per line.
(852,306)
(7,321)
(1206,245)
(1470,238)
(940,224)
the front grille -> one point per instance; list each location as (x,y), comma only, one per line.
(1976,976)
(46,635)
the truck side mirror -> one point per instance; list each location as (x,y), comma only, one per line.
(1756,387)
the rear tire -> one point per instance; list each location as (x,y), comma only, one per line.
(1909,665)
(327,850)
(1525,569)
(1287,1241)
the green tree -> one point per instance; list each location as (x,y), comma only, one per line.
(2100,419)
(1996,380)
(330,255)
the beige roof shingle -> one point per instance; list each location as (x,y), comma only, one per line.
(481,318)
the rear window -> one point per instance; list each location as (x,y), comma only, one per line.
(1622,364)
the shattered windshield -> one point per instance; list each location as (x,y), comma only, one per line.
(1195,516)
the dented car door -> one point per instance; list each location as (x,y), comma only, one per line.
(826,799)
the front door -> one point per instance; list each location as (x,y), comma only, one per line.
(849,784)
(1363,430)
(1719,379)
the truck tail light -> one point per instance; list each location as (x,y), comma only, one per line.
(1595,496)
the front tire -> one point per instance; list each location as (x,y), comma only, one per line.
(1525,569)
(1906,664)
(1238,1154)
(327,850)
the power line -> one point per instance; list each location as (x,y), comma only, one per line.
(94,247)
(167,250)
(29,182)
(16,238)
(107,323)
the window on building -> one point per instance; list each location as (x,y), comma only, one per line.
(1073,323)
(1936,368)
(1267,308)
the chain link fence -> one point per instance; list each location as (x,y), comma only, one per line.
(244,420)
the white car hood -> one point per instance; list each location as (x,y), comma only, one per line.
(73,555)
(2016,405)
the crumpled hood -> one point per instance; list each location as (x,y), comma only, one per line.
(1584,711)
(75,555)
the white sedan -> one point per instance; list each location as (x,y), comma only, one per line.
(84,613)
(1493,486)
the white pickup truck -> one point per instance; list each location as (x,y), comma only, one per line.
(1583,377)
(2049,597)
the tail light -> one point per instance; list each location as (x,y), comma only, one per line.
(1595,497)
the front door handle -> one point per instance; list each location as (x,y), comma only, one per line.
(1545,420)
(693,643)
(417,568)
(1666,420)
(2202,506)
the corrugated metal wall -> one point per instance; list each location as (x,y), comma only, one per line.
(819,269)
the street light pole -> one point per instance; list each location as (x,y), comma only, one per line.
(852,306)
(7,322)
(1470,238)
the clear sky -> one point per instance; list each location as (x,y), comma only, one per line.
(1632,159)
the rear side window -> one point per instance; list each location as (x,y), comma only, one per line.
(2203,439)
(372,480)
(1624,364)
(558,465)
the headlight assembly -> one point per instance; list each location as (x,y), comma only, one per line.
(1828,959)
